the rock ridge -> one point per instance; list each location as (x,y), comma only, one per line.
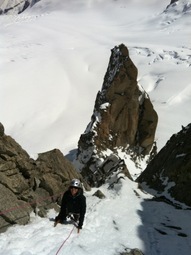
(169,172)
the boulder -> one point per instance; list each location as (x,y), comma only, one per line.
(132,252)
(12,209)
(99,194)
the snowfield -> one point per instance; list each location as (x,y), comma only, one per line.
(54,57)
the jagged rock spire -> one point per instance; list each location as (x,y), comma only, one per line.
(123,115)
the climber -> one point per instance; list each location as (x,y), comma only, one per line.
(73,205)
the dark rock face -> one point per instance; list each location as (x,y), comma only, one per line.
(1,129)
(16,7)
(27,185)
(132,252)
(172,2)
(123,117)
(113,164)
(171,168)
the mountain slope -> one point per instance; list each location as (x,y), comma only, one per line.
(53,59)
(64,54)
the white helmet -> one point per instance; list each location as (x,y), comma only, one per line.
(76,183)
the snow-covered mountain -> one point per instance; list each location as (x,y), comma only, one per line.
(53,58)
(52,68)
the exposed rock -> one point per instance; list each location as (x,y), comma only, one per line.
(16,6)
(12,210)
(112,164)
(172,2)
(123,118)
(27,185)
(176,9)
(170,170)
(1,129)
(99,194)
(132,252)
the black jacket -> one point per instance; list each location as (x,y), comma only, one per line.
(73,204)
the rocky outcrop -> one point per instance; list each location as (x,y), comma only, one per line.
(170,171)
(123,118)
(172,2)
(28,185)
(131,252)
(16,6)
(176,8)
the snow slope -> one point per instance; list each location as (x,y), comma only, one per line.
(53,58)
(124,220)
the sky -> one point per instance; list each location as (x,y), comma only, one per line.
(53,58)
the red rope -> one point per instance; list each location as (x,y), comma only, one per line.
(65,240)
